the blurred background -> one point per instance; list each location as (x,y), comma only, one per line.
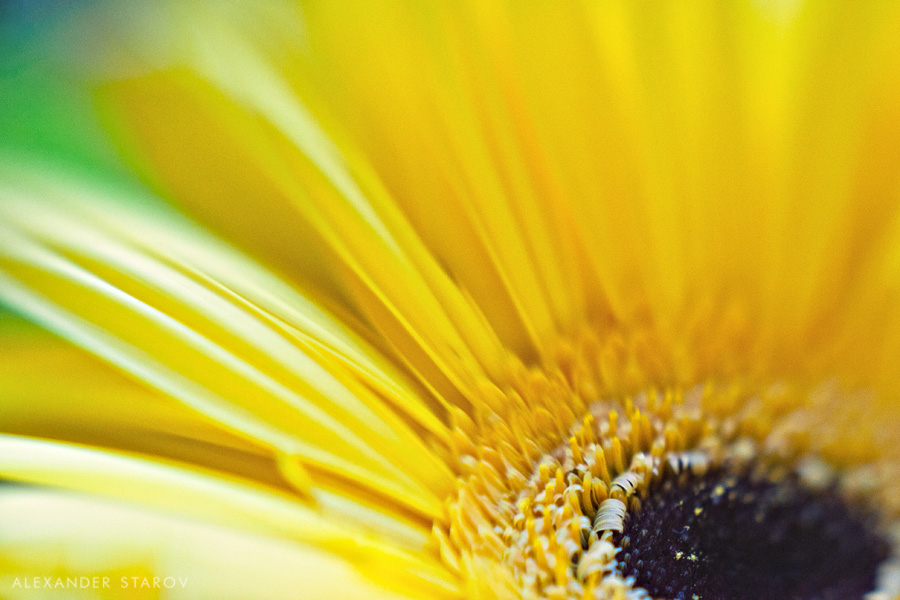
(43,113)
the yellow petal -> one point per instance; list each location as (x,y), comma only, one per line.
(280,372)
(143,554)
(519,169)
(215,499)
(393,277)
(55,390)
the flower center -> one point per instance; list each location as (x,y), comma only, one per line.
(746,536)
(708,493)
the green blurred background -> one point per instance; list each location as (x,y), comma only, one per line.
(45,114)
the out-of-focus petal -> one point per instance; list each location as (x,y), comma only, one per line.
(146,554)
(212,498)
(52,389)
(197,321)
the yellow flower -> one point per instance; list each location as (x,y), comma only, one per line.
(519,300)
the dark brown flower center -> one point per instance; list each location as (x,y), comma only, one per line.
(743,537)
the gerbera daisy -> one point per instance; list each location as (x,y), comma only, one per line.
(590,300)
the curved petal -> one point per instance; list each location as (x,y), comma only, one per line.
(54,390)
(231,503)
(193,319)
(306,180)
(685,166)
(139,553)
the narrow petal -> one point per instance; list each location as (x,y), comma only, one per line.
(138,553)
(201,496)
(599,163)
(57,391)
(284,377)
(391,275)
